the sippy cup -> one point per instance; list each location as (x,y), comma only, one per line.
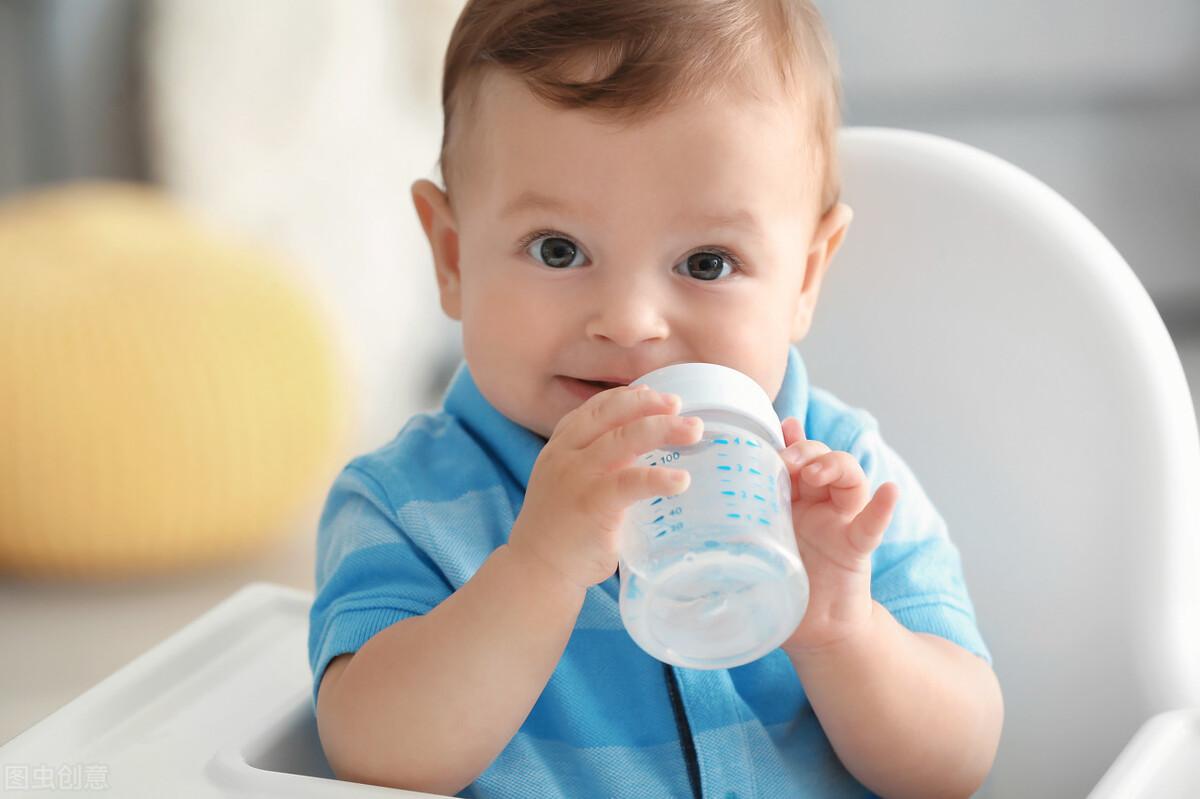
(711,578)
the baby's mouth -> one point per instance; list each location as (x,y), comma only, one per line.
(600,385)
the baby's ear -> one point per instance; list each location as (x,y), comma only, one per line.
(831,231)
(437,219)
(827,238)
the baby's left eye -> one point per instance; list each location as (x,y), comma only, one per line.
(709,265)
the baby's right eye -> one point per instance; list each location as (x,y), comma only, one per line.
(553,250)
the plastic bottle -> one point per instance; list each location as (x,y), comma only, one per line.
(711,577)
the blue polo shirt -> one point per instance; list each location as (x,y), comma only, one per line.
(406,525)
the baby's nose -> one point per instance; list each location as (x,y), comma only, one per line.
(628,322)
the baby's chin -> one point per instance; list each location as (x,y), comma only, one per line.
(545,426)
(534,418)
(539,410)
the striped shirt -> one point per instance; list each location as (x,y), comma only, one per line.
(406,525)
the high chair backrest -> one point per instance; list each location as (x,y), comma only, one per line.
(1014,360)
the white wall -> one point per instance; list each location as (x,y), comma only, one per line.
(1098,98)
(303,123)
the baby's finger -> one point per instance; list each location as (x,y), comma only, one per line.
(846,481)
(800,453)
(626,486)
(796,456)
(620,446)
(610,409)
(793,431)
(868,527)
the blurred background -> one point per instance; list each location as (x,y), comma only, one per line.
(296,128)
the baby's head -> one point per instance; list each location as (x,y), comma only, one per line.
(632,184)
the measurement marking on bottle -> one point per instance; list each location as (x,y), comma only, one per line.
(655,502)
(761,520)
(720,441)
(725,468)
(729,493)
(754,471)
(659,519)
(760,499)
(751,443)
(734,515)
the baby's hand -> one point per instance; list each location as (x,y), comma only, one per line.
(585,478)
(836,532)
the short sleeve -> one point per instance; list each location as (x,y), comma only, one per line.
(916,570)
(369,573)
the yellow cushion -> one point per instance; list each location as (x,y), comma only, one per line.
(168,397)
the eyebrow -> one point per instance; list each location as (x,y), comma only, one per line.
(738,220)
(534,201)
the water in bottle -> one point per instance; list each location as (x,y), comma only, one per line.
(711,577)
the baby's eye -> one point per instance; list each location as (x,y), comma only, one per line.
(709,265)
(553,251)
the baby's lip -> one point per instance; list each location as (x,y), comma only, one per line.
(610,380)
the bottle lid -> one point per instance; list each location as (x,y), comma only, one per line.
(713,387)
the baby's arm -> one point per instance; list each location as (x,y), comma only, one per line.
(909,714)
(429,702)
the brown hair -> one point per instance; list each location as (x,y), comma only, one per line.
(643,55)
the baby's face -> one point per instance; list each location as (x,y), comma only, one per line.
(579,251)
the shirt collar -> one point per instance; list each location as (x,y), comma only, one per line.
(517,447)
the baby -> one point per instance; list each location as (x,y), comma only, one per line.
(632,184)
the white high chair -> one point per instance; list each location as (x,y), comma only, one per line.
(1014,360)
(1011,357)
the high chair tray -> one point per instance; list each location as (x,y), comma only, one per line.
(221,708)
(1162,761)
